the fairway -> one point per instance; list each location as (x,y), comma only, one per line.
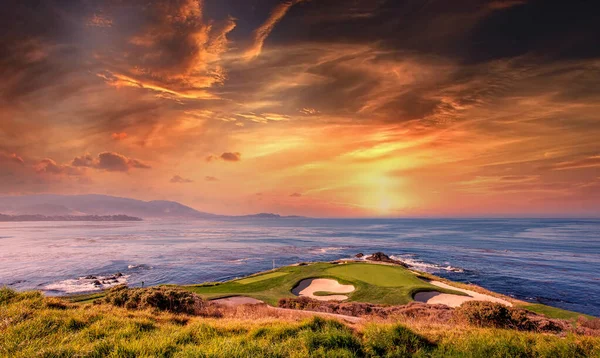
(252,279)
(374,283)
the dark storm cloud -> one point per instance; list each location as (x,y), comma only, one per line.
(467,30)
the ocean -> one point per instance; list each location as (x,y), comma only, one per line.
(550,261)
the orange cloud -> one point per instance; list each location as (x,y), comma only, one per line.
(226,156)
(194,46)
(119,136)
(588,162)
(12,157)
(109,161)
(98,20)
(49,166)
(180,180)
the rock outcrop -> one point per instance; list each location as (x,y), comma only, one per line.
(381,257)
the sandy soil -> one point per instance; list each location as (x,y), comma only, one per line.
(450,300)
(309,286)
(242,300)
(237,300)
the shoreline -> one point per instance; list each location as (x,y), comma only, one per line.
(470,292)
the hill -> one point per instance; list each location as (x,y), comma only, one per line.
(102,205)
(172,321)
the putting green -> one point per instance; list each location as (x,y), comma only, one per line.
(378,275)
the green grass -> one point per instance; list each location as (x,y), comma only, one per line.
(257,278)
(84,298)
(327,293)
(381,284)
(377,275)
(34,326)
(553,312)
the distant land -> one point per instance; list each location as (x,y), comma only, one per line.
(13,218)
(70,207)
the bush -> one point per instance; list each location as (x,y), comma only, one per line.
(394,341)
(161,298)
(484,314)
(6,295)
(492,314)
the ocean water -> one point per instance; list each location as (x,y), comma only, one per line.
(556,262)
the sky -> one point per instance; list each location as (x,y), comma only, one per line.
(325,108)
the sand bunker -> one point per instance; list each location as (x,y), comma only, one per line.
(450,300)
(309,286)
(236,301)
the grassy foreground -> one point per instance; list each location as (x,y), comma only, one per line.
(35,326)
(380,284)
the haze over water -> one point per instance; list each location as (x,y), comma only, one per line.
(551,261)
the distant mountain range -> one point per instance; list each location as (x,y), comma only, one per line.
(37,217)
(105,205)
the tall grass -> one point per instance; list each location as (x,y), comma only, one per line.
(34,326)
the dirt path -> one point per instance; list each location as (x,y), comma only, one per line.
(243,300)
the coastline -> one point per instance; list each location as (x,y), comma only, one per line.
(442,295)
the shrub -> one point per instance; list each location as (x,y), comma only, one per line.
(161,298)
(592,323)
(56,303)
(6,295)
(394,341)
(484,314)
(491,314)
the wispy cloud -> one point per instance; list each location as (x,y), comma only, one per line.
(261,33)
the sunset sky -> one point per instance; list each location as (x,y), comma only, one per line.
(333,108)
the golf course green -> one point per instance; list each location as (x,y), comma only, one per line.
(373,283)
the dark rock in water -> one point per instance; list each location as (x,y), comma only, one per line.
(359,255)
(97,283)
(118,274)
(90,277)
(381,257)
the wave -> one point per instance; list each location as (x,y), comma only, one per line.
(86,284)
(425,266)
(324,250)
(140,266)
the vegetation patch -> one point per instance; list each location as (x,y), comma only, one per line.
(257,278)
(553,312)
(165,298)
(377,275)
(492,314)
(35,326)
(374,283)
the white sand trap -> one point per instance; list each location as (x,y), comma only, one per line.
(451,300)
(237,300)
(311,285)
